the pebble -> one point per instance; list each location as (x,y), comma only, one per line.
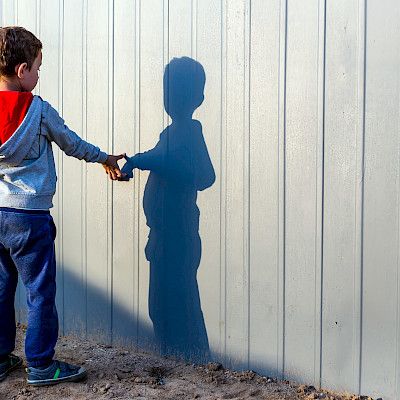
(117,377)
(255,392)
(214,366)
(105,388)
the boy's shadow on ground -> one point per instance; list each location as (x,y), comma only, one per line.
(179,167)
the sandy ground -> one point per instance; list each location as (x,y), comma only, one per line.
(119,373)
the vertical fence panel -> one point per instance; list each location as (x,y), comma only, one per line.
(98,215)
(124,217)
(301,188)
(236,275)
(264,185)
(208,31)
(153,56)
(180,28)
(341,232)
(381,229)
(73,239)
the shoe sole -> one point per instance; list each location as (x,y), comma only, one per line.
(5,374)
(82,374)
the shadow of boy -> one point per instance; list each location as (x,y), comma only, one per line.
(179,166)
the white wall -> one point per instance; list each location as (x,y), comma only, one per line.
(299,275)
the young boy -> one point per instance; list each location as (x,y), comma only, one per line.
(28,125)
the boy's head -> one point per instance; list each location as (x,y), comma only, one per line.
(184,80)
(20,57)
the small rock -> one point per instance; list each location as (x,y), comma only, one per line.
(305,389)
(255,392)
(214,366)
(101,375)
(126,369)
(105,388)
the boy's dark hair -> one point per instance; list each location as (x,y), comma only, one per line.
(17,46)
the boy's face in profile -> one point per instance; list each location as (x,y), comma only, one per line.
(29,78)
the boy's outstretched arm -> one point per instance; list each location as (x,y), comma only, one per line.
(72,145)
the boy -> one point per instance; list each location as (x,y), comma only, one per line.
(28,125)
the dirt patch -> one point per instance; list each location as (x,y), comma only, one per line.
(119,373)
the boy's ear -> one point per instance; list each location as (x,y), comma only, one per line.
(20,70)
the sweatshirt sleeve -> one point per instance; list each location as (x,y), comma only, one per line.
(54,128)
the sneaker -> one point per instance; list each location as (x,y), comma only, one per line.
(57,372)
(6,367)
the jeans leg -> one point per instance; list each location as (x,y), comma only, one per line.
(8,285)
(35,261)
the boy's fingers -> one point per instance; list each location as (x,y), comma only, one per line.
(113,175)
(118,172)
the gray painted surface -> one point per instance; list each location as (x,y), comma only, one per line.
(299,274)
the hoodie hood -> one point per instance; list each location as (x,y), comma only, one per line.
(15,149)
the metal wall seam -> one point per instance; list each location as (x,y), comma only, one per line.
(319,220)
(137,183)
(359,198)
(165,46)
(246,180)
(194,29)
(38,31)
(60,158)
(281,193)
(84,173)
(110,202)
(397,365)
(223,167)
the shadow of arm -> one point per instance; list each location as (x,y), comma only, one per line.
(205,174)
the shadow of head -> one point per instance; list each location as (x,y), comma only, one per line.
(184,81)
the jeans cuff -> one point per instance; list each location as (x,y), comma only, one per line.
(40,363)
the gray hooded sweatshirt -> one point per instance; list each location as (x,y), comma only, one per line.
(27,171)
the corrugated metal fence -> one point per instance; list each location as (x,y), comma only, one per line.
(299,273)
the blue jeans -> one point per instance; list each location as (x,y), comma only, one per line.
(27,248)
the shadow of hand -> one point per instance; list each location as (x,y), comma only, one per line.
(127,169)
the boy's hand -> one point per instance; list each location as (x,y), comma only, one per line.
(112,168)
